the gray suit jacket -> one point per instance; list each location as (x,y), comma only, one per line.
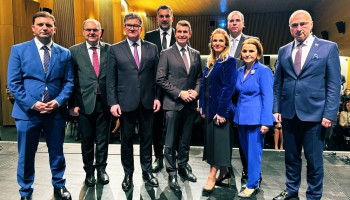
(85,80)
(172,77)
(127,85)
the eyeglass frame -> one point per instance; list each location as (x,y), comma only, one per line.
(95,30)
(135,26)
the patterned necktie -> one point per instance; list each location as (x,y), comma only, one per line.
(297,60)
(164,42)
(95,61)
(184,57)
(46,95)
(233,48)
(136,55)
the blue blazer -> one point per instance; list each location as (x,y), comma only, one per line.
(254,96)
(221,87)
(27,81)
(315,93)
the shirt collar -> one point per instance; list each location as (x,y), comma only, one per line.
(180,47)
(40,45)
(162,31)
(131,42)
(308,42)
(89,45)
(238,38)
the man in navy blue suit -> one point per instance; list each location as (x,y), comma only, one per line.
(306,101)
(40,77)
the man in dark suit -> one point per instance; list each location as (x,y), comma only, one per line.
(89,101)
(306,101)
(235,25)
(163,37)
(179,75)
(40,77)
(132,95)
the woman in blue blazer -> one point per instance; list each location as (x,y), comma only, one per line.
(215,101)
(253,111)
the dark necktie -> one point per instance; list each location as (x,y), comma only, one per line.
(95,61)
(46,95)
(184,57)
(297,60)
(164,42)
(136,55)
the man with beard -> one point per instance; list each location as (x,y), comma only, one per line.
(163,37)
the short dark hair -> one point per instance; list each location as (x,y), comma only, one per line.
(133,15)
(164,7)
(44,14)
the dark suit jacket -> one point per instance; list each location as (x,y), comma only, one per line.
(172,77)
(240,63)
(27,81)
(85,80)
(254,96)
(127,85)
(154,37)
(315,93)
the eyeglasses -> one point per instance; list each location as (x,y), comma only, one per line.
(302,24)
(135,26)
(93,30)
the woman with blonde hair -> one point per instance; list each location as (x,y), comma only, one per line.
(215,102)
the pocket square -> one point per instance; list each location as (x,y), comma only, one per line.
(315,56)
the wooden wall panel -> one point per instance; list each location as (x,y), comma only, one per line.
(63,11)
(106,20)
(326,15)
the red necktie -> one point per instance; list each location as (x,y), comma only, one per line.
(95,61)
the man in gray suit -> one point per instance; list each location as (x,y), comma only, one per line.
(89,101)
(179,75)
(133,96)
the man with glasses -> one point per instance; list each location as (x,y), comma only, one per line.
(89,101)
(133,96)
(163,37)
(306,101)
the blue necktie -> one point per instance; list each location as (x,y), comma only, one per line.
(46,95)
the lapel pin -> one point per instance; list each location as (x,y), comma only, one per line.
(252,72)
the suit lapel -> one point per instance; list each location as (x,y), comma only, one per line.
(172,40)
(289,51)
(144,53)
(36,56)
(178,56)
(312,52)
(103,56)
(54,55)
(239,46)
(192,54)
(128,53)
(251,72)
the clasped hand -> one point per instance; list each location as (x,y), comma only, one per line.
(45,108)
(189,95)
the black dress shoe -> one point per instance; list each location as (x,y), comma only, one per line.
(187,175)
(173,184)
(150,179)
(206,192)
(26,198)
(285,196)
(62,193)
(127,183)
(158,165)
(102,177)
(188,167)
(90,179)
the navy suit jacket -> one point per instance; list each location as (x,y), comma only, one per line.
(27,80)
(254,96)
(127,85)
(221,83)
(315,93)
